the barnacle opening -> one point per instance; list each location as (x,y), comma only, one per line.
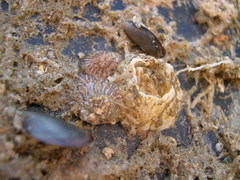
(151,80)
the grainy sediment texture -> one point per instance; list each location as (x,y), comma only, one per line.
(40,67)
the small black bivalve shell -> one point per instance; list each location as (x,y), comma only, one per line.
(144,38)
(54,131)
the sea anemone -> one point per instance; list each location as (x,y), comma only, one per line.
(98,100)
(100,63)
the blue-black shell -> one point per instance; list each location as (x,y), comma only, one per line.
(54,131)
(144,38)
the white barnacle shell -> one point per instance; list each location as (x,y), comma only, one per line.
(151,94)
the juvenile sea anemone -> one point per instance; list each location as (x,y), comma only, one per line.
(100,63)
(98,100)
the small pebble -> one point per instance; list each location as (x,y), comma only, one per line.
(108,152)
(2,89)
(41,70)
(219,147)
(81,55)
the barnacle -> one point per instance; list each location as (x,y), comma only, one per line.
(151,94)
(98,100)
(100,63)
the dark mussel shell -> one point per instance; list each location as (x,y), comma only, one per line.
(144,38)
(53,131)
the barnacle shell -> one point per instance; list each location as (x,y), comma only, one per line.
(100,63)
(151,94)
(98,100)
